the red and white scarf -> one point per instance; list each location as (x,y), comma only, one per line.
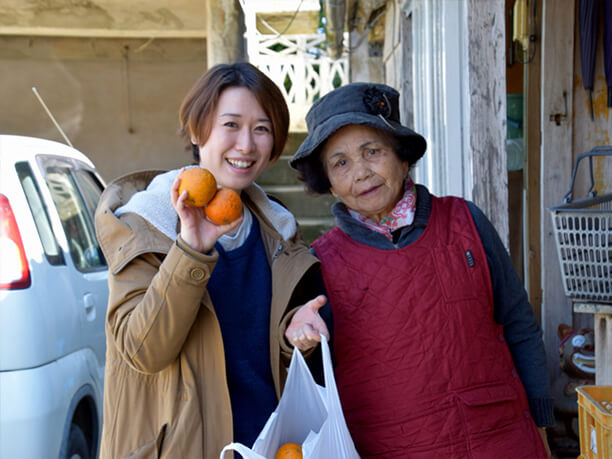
(401,215)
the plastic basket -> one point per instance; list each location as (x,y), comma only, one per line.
(583,235)
(595,418)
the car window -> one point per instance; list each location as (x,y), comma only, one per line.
(76,218)
(91,188)
(42,222)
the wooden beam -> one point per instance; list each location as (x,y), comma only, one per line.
(100,33)
(282,6)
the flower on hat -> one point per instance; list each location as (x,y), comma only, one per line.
(377,102)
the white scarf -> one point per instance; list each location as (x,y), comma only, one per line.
(154,205)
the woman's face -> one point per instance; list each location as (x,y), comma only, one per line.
(364,170)
(240,143)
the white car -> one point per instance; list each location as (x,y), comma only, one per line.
(53,299)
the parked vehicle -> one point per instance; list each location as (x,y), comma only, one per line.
(53,295)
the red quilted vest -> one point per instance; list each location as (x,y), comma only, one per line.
(422,369)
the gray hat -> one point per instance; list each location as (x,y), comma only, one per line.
(370,104)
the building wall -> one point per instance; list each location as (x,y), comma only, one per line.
(567,131)
(590,133)
(116,99)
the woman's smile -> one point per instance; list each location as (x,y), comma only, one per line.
(240,164)
(369,191)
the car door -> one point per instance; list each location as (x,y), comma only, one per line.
(76,189)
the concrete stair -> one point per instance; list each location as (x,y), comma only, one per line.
(313,212)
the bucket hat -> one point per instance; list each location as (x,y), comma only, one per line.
(371,104)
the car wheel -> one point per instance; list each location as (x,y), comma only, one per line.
(77,444)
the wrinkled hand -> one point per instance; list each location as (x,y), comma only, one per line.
(196,230)
(307,325)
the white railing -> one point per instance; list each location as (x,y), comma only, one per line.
(298,65)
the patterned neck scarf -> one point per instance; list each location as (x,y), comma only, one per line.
(401,215)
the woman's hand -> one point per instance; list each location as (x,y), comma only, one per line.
(542,431)
(196,230)
(307,325)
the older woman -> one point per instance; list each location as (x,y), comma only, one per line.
(437,350)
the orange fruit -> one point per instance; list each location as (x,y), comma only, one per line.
(200,184)
(225,207)
(289,451)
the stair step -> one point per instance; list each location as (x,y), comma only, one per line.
(279,174)
(301,204)
(312,228)
(313,212)
(329,222)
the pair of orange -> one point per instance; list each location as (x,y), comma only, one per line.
(223,205)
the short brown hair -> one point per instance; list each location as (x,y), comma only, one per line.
(200,103)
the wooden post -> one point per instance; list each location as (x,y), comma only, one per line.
(531,170)
(603,358)
(556,161)
(487,88)
(603,339)
(225,32)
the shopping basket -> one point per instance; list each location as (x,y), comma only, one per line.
(583,234)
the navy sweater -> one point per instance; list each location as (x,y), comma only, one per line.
(241,289)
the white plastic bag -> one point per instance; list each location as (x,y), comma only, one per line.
(307,414)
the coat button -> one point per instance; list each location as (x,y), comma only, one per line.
(197,274)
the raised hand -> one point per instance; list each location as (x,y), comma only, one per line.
(196,230)
(307,325)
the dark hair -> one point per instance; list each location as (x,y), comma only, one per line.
(312,172)
(199,105)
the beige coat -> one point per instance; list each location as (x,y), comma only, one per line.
(165,390)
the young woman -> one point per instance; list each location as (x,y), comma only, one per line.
(437,350)
(195,315)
